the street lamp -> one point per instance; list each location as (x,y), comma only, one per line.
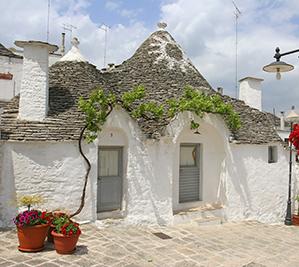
(279,66)
(292,117)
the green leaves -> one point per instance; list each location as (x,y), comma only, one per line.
(100,104)
(194,125)
(96,108)
(150,110)
(128,98)
(200,103)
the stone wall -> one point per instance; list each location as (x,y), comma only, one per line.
(257,189)
(7,188)
(34,94)
(147,169)
(236,176)
(53,170)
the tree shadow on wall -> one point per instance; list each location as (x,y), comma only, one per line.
(238,176)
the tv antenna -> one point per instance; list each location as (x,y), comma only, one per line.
(237,14)
(105,28)
(48,21)
(69,27)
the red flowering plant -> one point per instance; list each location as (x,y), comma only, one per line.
(64,225)
(294,137)
(31,217)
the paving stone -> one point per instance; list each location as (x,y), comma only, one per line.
(48,264)
(186,263)
(19,258)
(226,245)
(6,263)
(85,262)
(35,262)
(62,262)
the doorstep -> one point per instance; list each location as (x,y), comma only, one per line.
(202,215)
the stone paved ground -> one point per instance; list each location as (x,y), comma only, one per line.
(248,244)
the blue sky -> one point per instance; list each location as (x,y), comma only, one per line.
(125,12)
(205,30)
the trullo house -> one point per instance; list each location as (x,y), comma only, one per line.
(143,172)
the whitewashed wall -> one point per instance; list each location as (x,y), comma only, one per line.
(56,171)
(10,88)
(213,138)
(257,189)
(7,189)
(147,168)
(237,176)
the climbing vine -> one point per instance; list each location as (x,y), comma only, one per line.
(100,104)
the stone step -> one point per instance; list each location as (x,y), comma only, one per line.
(104,223)
(200,216)
(209,221)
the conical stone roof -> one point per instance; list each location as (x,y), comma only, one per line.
(159,64)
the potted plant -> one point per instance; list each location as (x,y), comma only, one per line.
(51,228)
(295,218)
(54,214)
(65,234)
(32,225)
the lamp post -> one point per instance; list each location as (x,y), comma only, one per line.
(279,66)
(292,117)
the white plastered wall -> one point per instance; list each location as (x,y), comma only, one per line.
(147,171)
(10,88)
(54,170)
(212,139)
(256,189)
(235,175)
(34,93)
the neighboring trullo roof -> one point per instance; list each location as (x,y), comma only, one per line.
(159,64)
(7,53)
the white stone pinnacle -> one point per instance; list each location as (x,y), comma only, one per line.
(162,25)
(75,42)
(74,54)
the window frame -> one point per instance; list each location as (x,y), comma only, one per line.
(197,158)
(272,154)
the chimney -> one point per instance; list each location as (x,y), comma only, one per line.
(220,90)
(34,91)
(250,92)
(62,48)
(282,120)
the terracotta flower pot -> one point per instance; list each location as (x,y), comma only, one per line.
(32,238)
(50,238)
(65,244)
(295,219)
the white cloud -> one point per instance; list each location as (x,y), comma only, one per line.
(112,5)
(207,32)
(30,22)
(205,29)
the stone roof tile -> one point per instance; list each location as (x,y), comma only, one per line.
(159,64)
(7,53)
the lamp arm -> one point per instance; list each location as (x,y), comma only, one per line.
(278,55)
